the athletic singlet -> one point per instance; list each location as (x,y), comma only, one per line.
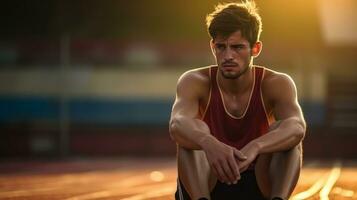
(231,130)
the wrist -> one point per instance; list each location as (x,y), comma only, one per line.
(256,146)
(205,141)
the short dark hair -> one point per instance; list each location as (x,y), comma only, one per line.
(231,17)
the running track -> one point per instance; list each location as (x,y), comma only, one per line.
(138,179)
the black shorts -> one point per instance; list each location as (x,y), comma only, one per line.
(246,188)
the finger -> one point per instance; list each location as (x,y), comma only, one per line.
(243,166)
(220,173)
(215,172)
(234,168)
(228,171)
(239,155)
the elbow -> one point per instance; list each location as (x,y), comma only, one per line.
(174,127)
(297,129)
(300,131)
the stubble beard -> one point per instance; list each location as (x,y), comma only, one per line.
(234,75)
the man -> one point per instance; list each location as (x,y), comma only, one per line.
(238,127)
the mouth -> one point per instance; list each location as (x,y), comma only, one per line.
(229,66)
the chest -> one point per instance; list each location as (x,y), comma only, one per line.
(236,105)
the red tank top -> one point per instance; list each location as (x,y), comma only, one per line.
(231,130)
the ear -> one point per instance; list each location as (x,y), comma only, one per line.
(211,43)
(257,48)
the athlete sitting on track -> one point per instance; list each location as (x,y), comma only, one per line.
(238,127)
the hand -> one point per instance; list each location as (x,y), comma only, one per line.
(222,159)
(251,151)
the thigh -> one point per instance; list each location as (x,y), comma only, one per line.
(262,173)
(262,168)
(194,172)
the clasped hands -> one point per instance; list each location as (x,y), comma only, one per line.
(227,162)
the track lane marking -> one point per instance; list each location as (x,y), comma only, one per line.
(312,190)
(335,174)
(324,185)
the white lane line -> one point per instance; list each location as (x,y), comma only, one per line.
(311,191)
(343,192)
(335,174)
(325,182)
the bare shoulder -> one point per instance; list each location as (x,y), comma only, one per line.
(272,77)
(276,84)
(195,75)
(195,79)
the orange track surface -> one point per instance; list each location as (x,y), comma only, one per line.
(133,179)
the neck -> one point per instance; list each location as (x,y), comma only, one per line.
(237,85)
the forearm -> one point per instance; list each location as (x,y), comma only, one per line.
(285,136)
(189,133)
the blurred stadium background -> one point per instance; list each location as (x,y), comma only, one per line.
(97,78)
(84,81)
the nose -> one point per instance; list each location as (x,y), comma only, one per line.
(228,54)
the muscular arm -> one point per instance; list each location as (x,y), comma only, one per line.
(192,133)
(185,127)
(290,127)
(286,109)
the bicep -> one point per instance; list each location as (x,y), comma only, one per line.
(286,103)
(187,98)
(185,106)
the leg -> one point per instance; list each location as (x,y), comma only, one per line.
(194,173)
(277,173)
(285,168)
(262,167)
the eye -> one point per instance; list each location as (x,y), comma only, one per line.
(238,46)
(220,46)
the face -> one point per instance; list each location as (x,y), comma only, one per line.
(233,54)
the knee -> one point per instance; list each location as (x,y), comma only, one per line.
(181,151)
(297,149)
(293,155)
(185,154)
(189,155)
(294,151)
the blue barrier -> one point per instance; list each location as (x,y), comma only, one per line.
(111,111)
(102,111)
